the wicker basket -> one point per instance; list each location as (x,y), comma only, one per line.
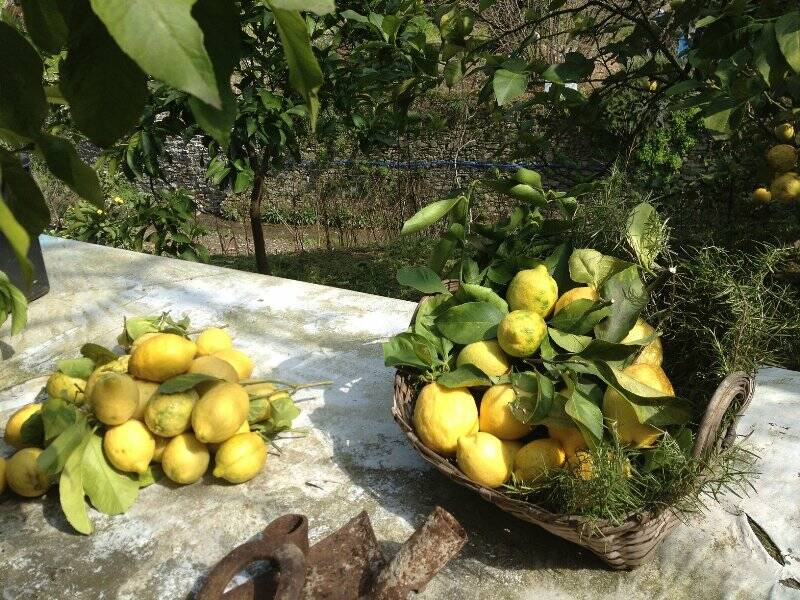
(621,546)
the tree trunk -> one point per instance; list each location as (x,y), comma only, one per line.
(262,264)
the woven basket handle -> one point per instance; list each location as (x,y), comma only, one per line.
(735,387)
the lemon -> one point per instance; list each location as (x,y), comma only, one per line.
(13,434)
(158,451)
(216,367)
(60,385)
(130,446)
(261,395)
(485,459)
(442,415)
(168,415)
(584,292)
(496,417)
(488,356)
(786,187)
(162,356)
(115,398)
(240,458)
(534,290)
(782,158)
(536,458)
(238,360)
(762,195)
(141,339)
(244,428)
(213,340)
(570,438)
(2,474)
(521,332)
(185,459)
(582,465)
(652,353)
(147,389)
(119,365)
(784,132)
(23,474)
(220,412)
(621,415)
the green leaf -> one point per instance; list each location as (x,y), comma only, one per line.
(57,416)
(586,414)
(17,237)
(55,456)
(645,234)
(352,15)
(110,491)
(400,350)
(45,24)
(77,367)
(466,376)
(580,316)
(181,383)
(220,24)
(508,85)
(64,162)
(787,32)
(422,279)
(23,105)
(593,268)
(102,110)
(574,68)
(557,264)
(319,7)
(150,476)
(25,200)
(767,56)
(283,411)
(608,351)
(165,41)
(305,74)
(472,292)
(19,309)
(32,430)
(429,214)
(70,490)
(534,396)
(682,87)
(628,296)
(717,114)
(100,355)
(470,322)
(569,341)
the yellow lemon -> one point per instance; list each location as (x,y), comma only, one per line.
(496,417)
(582,464)
(158,451)
(534,290)
(784,132)
(117,366)
(213,340)
(261,395)
(115,398)
(570,438)
(485,459)
(162,356)
(584,292)
(142,338)
(238,360)
(786,187)
(147,389)
(185,459)
(442,415)
(621,415)
(220,412)
(652,353)
(782,158)
(521,332)
(2,474)
(130,446)
(168,415)
(24,476)
(216,367)
(487,356)
(536,458)
(244,428)
(762,195)
(13,434)
(60,385)
(239,459)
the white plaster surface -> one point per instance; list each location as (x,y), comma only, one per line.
(353,458)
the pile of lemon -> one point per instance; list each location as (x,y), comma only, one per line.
(782,159)
(484,436)
(143,425)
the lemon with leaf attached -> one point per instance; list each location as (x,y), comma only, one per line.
(167,415)
(240,458)
(496,416)
(13,433)
(214,367)
(185,459)
(653,352)
(261,395)
(161,357)
(24,476)
(62,386)
(130,446)
(583,292)
(120,365)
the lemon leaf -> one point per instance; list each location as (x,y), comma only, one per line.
(99,354)
(32,430)
(57,415)
(465,376)
(77,367)
(70,489)
(55,456)
(187,381)
(470,322)
(110,491)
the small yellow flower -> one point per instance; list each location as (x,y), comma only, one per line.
(118,200)
(99,212)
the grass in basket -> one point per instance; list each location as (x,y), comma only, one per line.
(622,482)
